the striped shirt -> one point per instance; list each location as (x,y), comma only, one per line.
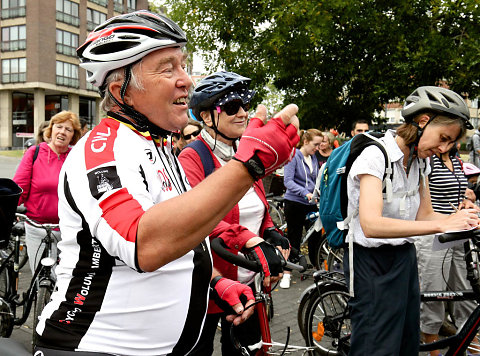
(446,186)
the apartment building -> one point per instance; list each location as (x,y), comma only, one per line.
(40,73)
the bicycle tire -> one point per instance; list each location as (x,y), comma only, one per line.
(4,282)
(321,254)
(276,214)
(303,308)
(43,297)
(327,320)
(335,260)
(6,319)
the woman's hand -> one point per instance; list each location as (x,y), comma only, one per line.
(464,219)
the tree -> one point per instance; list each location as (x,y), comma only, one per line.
(339,60)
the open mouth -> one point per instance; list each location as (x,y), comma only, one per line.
(180,101)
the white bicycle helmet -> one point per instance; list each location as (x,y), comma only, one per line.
(125,39)
(436,99)
(470,169)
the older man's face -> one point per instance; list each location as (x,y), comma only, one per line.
(164,98)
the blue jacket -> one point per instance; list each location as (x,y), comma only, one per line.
(298,179)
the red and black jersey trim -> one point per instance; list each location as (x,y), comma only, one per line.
(202,273)
(85,294)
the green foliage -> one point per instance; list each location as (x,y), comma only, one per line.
(338,60)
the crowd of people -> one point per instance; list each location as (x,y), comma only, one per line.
(139,197)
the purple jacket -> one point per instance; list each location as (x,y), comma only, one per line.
(40,183)
(298,179)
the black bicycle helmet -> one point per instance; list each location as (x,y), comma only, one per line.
(125,39)
(438,100)
(217,89)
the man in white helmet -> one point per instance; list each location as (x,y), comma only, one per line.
(135,267)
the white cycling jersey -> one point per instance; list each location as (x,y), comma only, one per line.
(103,301)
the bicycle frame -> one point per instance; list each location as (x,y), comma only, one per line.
(41,274)
(261,298)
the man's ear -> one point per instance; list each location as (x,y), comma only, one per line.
(115,88)
(206,117)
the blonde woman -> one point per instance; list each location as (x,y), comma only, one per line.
(39,179)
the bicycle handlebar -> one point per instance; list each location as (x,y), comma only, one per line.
(219,247)
(46,226)
(458,235)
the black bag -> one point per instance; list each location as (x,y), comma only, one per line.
(9,195)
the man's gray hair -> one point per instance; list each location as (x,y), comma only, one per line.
(119,75)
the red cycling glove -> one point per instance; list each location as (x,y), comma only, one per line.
(227,293)
(264,148)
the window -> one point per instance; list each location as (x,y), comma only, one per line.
(14,38)
(118,5)
(67,42)
(67,11)
(67,74)
(13,8)
(94,18)
(14,70)
(131,5)
(100,2)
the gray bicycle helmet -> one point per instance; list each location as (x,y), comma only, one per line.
(125,39)
(438,100)
(217,89)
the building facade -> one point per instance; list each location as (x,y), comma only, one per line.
(40,73)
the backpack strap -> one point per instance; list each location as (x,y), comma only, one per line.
(35,154)
(205,156)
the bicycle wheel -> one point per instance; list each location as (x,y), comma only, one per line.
(335,260)
(327,320)
(321,254)
(4,281)
(43,297)
(276,214)
(303,308)
(6,315)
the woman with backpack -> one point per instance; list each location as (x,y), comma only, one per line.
(382,264)
(221,100)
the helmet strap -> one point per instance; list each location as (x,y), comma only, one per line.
(215,127)
(414,145)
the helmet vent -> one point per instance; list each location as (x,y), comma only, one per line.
(445,102)
(114,47)
(432,98)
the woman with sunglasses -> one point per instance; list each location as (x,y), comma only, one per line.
(221,101)
(188,134)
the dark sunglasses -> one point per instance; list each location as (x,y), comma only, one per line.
(193,134)
(232,107)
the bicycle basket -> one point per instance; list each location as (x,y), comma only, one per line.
(9,195)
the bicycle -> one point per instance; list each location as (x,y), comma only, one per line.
(276,211)
(39,290)
(262,300)
(18,229)
(324,310)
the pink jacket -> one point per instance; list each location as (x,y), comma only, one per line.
(40,183)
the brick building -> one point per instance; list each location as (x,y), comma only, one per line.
(40,75)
